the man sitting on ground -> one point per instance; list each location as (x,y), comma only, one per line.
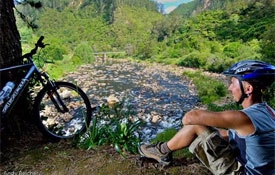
(246,142)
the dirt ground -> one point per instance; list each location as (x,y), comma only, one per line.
(35,156)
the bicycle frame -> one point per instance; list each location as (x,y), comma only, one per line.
(61,109)
(31,67)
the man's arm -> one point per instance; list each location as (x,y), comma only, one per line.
(227,119)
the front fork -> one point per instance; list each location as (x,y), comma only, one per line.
(51,88)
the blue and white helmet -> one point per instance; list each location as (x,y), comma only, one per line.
(251,70)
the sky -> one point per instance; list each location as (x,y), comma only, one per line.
(170,5)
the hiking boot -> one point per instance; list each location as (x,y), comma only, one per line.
(153,151)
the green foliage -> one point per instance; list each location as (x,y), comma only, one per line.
(164,136)
(191,60)
(96,136)
(50,59)
(269,95)
(268,45)
(123,136)
(113,125)
(234,33)
(218,108)
(212,40)
(71,27)
(84,52)
(205,61)
(232,50)
(133,34)
(209,88)
(118,55)
(185,9)
(76,60)
(52,53)
(55,71)
(216,64)
(231,30)
(25,34)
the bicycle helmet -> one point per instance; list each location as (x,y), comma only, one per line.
(257,73)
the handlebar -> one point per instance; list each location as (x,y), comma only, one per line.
(39,43)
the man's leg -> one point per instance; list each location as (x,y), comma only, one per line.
(162,152)
(215,153)
(205,142)
(185,136)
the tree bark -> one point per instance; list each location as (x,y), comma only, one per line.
(10,54)
(10,45)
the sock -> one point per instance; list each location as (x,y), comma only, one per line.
(164,148)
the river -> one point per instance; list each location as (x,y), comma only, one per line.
(160,94)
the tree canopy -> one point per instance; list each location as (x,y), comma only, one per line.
(225,32)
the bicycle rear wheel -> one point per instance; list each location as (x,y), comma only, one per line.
(62,113)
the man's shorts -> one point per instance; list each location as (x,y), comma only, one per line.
(215,153)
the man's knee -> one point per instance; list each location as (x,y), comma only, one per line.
(199,129)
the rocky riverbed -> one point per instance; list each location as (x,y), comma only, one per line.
(159,93)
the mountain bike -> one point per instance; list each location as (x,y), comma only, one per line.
(61,109)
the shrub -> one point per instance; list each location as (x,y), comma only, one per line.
(52,52)
(76,60)
(84,52)
(193,60)
(232,49)
(113,126)
(55,71)
(215,64)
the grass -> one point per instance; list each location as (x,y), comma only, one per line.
(166,136)
(59,68)
(209,88)
(62,158)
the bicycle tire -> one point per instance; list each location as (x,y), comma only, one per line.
(55,124)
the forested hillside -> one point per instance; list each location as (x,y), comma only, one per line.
(216,34)
(197,6)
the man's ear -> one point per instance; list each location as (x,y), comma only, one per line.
(248,88)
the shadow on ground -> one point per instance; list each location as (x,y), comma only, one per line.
(37,156)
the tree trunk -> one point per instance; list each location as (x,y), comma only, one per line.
(10,45)
(10,54)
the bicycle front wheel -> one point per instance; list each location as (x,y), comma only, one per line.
(64,112)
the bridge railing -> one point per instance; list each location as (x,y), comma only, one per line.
(104,55)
